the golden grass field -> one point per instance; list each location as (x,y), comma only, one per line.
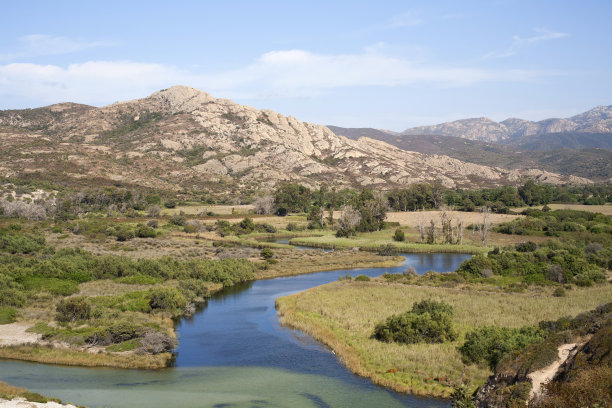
(410,219)
(343,315)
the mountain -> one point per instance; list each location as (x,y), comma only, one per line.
(597,120)
(593,163)
(182,138)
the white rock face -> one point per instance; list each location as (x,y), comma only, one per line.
(185,137)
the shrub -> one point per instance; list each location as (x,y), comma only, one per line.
(387,250)
(399,235)
(155,342)
(152,223)
(362,278)
(73,309)
(124,234)
(559,292)
(429,321)
(528,246)
(168,299)
(145,231)
(489,344)
(477,265)
(410,271)
(17,243)
(7,315)
(266,253)
(292,226)
(178,219)
(170,204)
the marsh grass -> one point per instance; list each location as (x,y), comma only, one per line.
(376,240)
(297,262)
(62,356)
(9,392)
(343,316)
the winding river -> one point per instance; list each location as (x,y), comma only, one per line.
(234,353)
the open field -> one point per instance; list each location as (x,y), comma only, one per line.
(604,209)
(410,219)
(343,315)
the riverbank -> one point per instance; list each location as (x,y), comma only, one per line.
(37,337)
(342,315)
(17,397)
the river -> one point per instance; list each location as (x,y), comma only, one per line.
(234,353)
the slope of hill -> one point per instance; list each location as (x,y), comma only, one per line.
(182,138)
(597,121)
(593,163)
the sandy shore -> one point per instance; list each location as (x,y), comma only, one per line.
(22,403)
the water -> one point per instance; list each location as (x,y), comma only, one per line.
(234,353)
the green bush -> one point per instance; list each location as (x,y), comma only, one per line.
(168,299)
(362,278)
(18,243)
(145,231)
(429,321)
(124,234)
(266,253)
(73,309)
(178,219)
(489,344)
(559,292)
(478,266)
(399,235)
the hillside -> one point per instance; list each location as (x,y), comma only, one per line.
(595,121)
(593,163)
(183,138)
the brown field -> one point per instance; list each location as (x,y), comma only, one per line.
(410,219)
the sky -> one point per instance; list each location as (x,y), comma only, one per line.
(383,64)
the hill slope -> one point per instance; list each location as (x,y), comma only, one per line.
(182,138)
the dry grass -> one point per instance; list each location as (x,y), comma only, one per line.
(217,209)
(604,209)
(61,356)
(343,316)
(410,219)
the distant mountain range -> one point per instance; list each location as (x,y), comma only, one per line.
(596,121)
(580,145)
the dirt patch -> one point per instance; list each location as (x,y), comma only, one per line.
(541,377)
(15,334)
(23,403)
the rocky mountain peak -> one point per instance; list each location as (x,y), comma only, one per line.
(181,98)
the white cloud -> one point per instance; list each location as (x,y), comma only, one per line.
(288,73)
(36,45)
(542,34)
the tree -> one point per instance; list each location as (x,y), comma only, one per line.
(399,235)
(485,227)
(421,224)
(292,197)
(431,232)
(316,216)
(264,205)
(348,221)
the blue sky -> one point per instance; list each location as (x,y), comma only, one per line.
(384,64)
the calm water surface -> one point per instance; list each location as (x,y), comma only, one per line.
(234,353)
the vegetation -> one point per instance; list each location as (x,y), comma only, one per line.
(429,321)
(344,314)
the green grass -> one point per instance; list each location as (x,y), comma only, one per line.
(54,286)
(128,345)
(375,240)
(137,301)
(7,315)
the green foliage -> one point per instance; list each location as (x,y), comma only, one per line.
(429,321)
(19,243)
(266,253)
(461,398)
(73,309)
(168,299)
(362,278)
(178,219)
(478,266)
(489,344)
(399,235)
(7,315)
(145,231)
(292,198)
(55,286)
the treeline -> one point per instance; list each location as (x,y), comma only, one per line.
(295,198)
